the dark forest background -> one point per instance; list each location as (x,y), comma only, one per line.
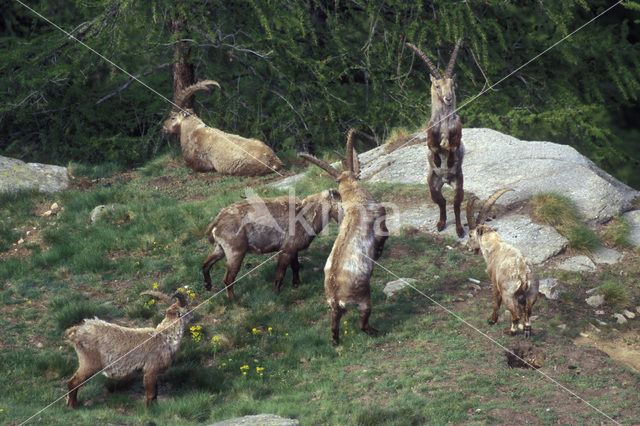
(298,74)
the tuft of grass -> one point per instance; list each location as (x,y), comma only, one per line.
(617,233)
(71,311)
(616,294)
(560,212)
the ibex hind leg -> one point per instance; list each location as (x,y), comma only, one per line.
(435,191)
(336,314)
(365,312)
(457,200)
(218,253)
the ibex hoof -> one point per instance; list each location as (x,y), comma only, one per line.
(509,332)
(460,232)
(527,331)
(373,332)
(440,226)
(492,320)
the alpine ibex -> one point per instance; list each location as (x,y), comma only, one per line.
(257,226)
(360,241)
(444,139)
(205,148)
(514,282)
(119,352)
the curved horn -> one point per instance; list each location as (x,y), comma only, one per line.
(189,91)
(471,219)
(182,299)
(343,159)
(350,150)
(158,295)
(433,68)
(486,206)
(322,164)
(452,60)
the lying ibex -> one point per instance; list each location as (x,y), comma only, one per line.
(512,277)
(205,148)
(118,351)
(444,134)
(256,226)
(360,241)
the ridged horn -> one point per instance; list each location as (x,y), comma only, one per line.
(452,61)
(350,150)
(181,298)
(486,206)
(322,164)
(471,219)
(433,68)
(343,159)
(189,91)
(158,295)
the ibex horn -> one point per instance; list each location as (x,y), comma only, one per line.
(484,211)
(350,150)
(433,68)
(158,295)
(452,61)
(471,219)
(181,298)
(322,164)
(188,92)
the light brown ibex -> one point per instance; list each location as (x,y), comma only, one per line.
(119,351)
(512,277)
(284,224)
(444,139)
(360,241)
(206,148)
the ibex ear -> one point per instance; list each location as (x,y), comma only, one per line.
(334,195)
(480,230)
(433,79)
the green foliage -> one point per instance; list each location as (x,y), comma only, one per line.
(560,212)
(617,232)
(301,75)
(616,294)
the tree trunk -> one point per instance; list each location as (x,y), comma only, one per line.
(182,72)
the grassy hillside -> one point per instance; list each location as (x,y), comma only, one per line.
(270,353)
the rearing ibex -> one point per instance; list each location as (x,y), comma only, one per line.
(444,134)
(512,277)
(360,241)
(205,148)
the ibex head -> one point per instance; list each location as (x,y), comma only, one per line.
(476,226)
(442,87)
(177,304)
(350,163)
(172,123)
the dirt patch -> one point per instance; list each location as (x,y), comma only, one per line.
(23,248)
(623,348)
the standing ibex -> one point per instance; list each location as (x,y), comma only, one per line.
(205,148)
(119,352)
(444,134)
(360,241)
(284,224)
(512,277)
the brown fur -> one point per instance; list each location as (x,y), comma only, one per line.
(206,148)
(360,241)
(122,351)
(284,224)
(444,140)
(512,277)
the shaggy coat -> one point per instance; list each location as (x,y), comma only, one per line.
(119,351)
(257,226)
(206,148)
(360,241)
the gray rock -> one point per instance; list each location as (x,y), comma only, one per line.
(620,319)
(537,242)
(259,419)
(606,255)
(287,182)
(633,218)
(99,211)
(550,288)
(627,313)
(577,264)
(393,287)
(16,175)
(595,300)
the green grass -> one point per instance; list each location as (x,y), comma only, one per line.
(560,212)
(616,294)
(427,368)
(617,233)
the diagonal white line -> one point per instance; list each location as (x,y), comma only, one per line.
(495,342)
(141,344)
(72,37)
(485,90)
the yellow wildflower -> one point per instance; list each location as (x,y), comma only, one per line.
(155,285)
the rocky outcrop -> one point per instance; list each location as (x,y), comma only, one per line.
(16,175)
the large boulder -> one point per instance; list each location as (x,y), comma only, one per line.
(16,175)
